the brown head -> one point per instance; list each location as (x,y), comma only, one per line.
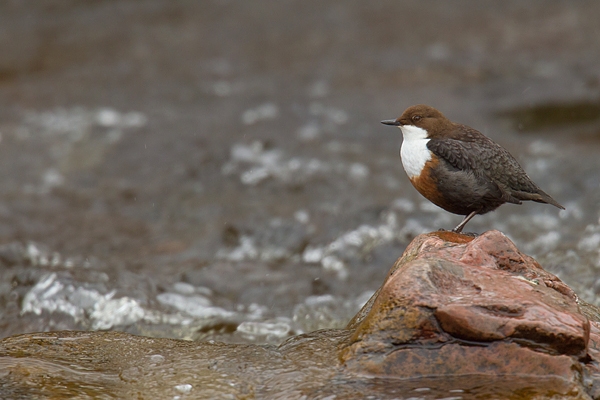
(425,117)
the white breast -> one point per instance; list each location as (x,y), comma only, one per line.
(414,151)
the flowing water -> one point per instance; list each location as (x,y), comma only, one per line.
(217,170)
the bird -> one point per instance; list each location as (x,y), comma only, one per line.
(458,168)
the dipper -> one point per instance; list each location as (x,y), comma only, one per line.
(459,169)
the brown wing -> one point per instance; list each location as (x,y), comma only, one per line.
(492,162)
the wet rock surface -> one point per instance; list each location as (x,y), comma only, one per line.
(457,317)
(465,307)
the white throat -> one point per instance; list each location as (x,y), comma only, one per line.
(414,151)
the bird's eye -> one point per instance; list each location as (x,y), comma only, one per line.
(416,118)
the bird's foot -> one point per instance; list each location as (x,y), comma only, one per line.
(460,232)
(471,234)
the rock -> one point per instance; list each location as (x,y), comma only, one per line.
(480,298)
(456,315)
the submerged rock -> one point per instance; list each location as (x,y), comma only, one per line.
(456,316)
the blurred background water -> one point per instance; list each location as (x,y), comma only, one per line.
(217,169)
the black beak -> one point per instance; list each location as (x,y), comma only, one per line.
(392,122)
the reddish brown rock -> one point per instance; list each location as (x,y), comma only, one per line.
(457,316)
(454,305)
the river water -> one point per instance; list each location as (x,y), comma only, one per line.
(217,169)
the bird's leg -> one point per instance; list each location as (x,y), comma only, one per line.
(460,226)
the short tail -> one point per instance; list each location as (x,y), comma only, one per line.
(540,197)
